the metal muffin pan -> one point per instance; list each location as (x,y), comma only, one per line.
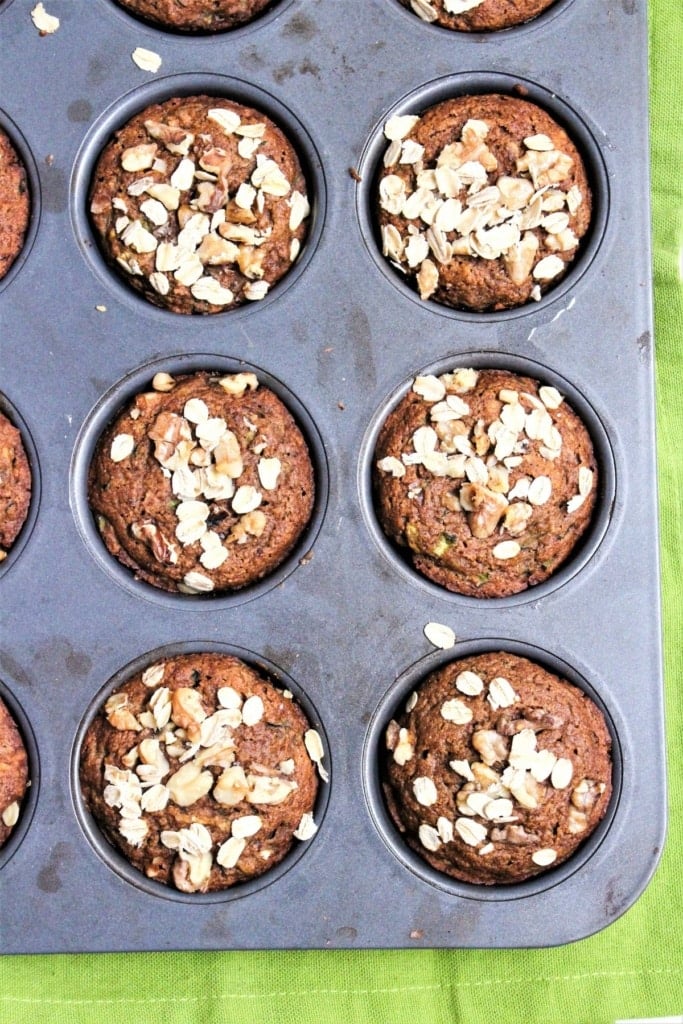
(121,396)
(339,339)
(112,857)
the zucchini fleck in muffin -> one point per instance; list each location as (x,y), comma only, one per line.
(482,201)
(497,769)
(201,771)
(196,15)
(15,485)
(14,204)
(201,204)
(487,477)
(13,773)
(477,15)
(203,483)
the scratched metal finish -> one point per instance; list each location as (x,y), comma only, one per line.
(342,623)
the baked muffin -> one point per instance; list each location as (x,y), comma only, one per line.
(201,204)
(15,485)
(488,478)
(497,769)
(201,772)
(477,15)
(13,773)
(202,484)
(482,201)
(14,204)
(196,15)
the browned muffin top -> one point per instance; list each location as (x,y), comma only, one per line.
(203,483)
(497,769)
(482,201)
(14,204)
(487,477)
(201,771)
(15,485)
(201,203)
(197,15)
(477,15)
(13,773)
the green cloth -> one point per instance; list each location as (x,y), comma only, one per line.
(634,968)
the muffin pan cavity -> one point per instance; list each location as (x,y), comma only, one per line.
(424,11)
(473,84)
(21,148)
(193,26)
(28,804)
(119,398)
(115,860)
(193,85)
(339,339)
(13,416)
(587,545)
(375,755)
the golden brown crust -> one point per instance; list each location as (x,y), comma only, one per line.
(482,202)
(14,204)
(497,727)
(13,772)
(504,489)
(15,485)
(196,752)
(478,15)
(200,203)
(197,15)
(202,489)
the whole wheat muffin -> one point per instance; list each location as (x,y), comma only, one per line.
(15,204)
(497,769)
(204,483)
(200,203)
(13,773)
(482,201)
(201,771)
(477,15)
(196,15)
(15,485)
(486,477)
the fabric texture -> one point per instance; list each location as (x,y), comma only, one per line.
(632,969)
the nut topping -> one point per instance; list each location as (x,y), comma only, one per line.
(462,203)
(197,778)
(10,815)
(186,197)
(511,802)
(482,468)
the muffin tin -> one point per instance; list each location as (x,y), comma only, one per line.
(339,338)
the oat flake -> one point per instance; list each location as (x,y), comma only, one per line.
(439,635)
(44,22)
(146,60)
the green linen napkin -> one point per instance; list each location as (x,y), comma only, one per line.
(632,969)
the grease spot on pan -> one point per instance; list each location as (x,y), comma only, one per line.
(59,651)
(48,877)
(79,111)
(12,668)
(301,27)
(97,71)
(358,326)
(216,930)
(644,343)
(253,57)
(290,68)
(55,189)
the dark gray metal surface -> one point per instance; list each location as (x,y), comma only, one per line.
(341,337)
